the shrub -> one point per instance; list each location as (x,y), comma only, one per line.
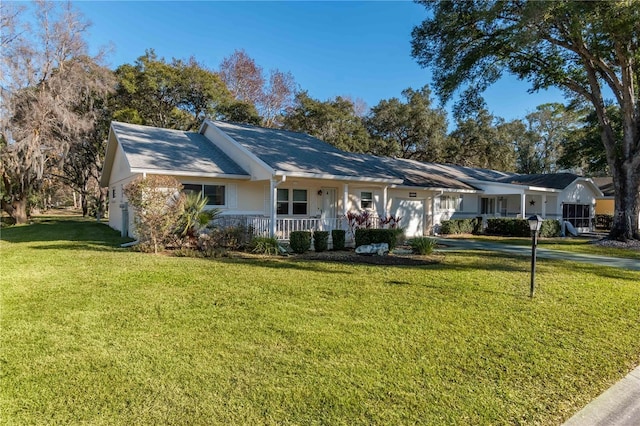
(550,228)
(366,236)
(265,245)
(321,240)
(461,226)
(508,227)
(232,237)
(300,241)
(338,236)
(604,221)
(422,245)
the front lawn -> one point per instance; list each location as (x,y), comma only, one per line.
(96,334)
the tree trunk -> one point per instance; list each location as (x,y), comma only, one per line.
(625,226)
(17,209)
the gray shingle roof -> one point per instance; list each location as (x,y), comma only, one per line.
(152,148)
(553,180)
(300,153)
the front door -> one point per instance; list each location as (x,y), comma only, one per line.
(329,208)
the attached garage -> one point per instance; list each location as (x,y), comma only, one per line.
(412,213)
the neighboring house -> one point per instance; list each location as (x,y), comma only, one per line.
(606,203)
(278,181)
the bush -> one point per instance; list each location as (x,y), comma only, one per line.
(265,245)
(300,241)
(508,227)
(338,236)
(550,228)
(321,240)
(604,221)
(460,226)
(375,236)
(422,245)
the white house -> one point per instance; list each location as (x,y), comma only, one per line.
(278,181)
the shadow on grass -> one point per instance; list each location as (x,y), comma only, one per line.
(82,234)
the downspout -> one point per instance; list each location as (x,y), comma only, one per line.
(385,200)
(273,199)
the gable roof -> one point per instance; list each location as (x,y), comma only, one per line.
(553,180)
(301,154)
(153,149)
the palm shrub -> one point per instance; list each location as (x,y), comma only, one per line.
(195,215)
(338,236)
(300,241)
(321,240)
(422,245)
(265,245)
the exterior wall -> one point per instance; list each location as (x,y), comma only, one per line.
(120,177)
(605,206)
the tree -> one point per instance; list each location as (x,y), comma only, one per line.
(583,149)
(158,204)
(480,139)
(410,129)
(46,80)
(332,121)
(248,84)
(176,95)
(587,49)
(550,125)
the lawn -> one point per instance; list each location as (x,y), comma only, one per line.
(96,334)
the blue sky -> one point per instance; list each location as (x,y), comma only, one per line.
(356,49)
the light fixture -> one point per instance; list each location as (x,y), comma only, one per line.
(319,191)
(535,223)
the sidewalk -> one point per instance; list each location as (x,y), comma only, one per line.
(454,244)
(620,404)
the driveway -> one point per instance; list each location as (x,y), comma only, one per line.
(455,244)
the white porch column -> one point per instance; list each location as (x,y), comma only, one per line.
(345,199)
(523,206)
(385,208)
(543,208)
(273,202)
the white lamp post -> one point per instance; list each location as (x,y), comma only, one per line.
(535,222)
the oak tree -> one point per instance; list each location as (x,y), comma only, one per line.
(588,49)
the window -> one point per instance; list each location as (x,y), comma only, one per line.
(448,202)
(366,200)
(579,215)
(487,206)
(283,201)
(216,194)
(113,192)
(292,201)
(299,201)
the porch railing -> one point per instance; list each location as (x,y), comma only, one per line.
(260,225)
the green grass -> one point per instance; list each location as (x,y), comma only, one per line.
(574,245)
(95,334)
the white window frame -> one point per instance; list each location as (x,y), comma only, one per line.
(449,202)
(202,191)
(364,200)
(291,202)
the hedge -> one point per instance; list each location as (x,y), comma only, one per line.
(366,236)
(461,226)
(338,236)
(520,227)
(321,240)
(300,241)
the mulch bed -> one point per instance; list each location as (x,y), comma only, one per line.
(349,256)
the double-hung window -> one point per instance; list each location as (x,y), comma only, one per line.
(366,199)
(292,201)
(216,194)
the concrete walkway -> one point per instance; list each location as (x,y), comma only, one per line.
(620,404)
(454,244)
